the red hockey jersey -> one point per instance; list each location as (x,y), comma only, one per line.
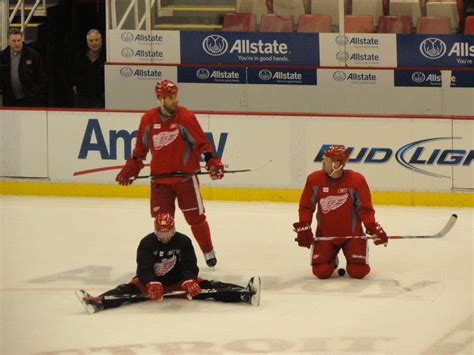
(342,204)
(175,143)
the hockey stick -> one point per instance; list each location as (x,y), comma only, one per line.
(208,291)
(183,174)
(451,221)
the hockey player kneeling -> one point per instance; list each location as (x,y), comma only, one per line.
(167,265)
(343,202)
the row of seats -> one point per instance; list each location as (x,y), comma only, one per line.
(352,24)
(375,8)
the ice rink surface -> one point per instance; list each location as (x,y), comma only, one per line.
(418,299)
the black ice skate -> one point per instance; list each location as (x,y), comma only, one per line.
(91,304)
(251,294)
(210,258)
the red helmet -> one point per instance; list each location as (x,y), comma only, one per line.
(165,88)
(338,153)
(164,222)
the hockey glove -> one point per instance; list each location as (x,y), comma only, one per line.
(129,171)
(155,291)
(191,287)
(377,231)
(215,168)
(305,235)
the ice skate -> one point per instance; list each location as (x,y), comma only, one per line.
(210,258)
(252,294)
(91,304)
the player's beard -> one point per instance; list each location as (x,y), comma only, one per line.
(169,110)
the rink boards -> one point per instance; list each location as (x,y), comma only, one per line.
(406,160)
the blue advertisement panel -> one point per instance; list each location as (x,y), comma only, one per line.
(435,50)
(249,48)
(462,79)
(417,78)
(282,76)
(209,75)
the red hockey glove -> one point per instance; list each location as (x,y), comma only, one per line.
(130,170)
(155,291)
(191,287)
(305,235)
(377,231)
(215,168)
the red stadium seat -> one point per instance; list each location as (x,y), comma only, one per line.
(314,23)
(239,22)
(433,25)
(276,23)
(358,24)
(469,25)
(395,24)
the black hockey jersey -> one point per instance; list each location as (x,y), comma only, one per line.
(168,263)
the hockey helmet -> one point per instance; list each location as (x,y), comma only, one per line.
(164,222)
(337,153)
(165,88)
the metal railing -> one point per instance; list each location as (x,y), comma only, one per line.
(20,6)
(116,20)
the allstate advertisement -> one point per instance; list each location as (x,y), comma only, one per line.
(435,50)
(143,46)
(249,48)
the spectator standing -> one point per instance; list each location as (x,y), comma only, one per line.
(23,74)
(88,73)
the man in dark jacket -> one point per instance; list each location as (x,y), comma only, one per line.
(23,75)
(167,265)
(88,73)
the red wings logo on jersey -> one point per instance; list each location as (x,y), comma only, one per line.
(331,203)
(165,266)
(162,139)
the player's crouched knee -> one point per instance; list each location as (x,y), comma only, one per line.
(323,271)
(358,271)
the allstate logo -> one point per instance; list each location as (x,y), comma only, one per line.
(265,74)
(432,48)
(342,40)
(342,56)
(418,77)
(339,75)
(203,73)
(127,36)
(126,72)
(215,45)
(127,52)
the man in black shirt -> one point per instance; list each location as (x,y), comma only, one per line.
(88,73)
(22,73)
(167,265)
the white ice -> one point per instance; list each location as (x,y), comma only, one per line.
(418,299)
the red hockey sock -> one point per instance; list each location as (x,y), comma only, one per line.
(323,271)
(202,234)
(358,271)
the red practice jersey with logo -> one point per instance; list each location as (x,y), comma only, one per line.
(175,144)
(341,204)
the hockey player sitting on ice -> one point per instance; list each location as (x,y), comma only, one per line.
(343,202)
(173,136)
(167,265)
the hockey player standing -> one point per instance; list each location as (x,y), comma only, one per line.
(166,263)
(343,202)
(176,141)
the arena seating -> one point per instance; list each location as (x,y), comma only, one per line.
(447,8)
(289,7)
(469,25)
(243,22)
(395,24)
(410,8)
(433,25)
(358,24)
(375,8)
(329,7)
(314,23)
(276,23)
(256,7)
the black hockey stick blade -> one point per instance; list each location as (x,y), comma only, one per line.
(445,230)
(184,174)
